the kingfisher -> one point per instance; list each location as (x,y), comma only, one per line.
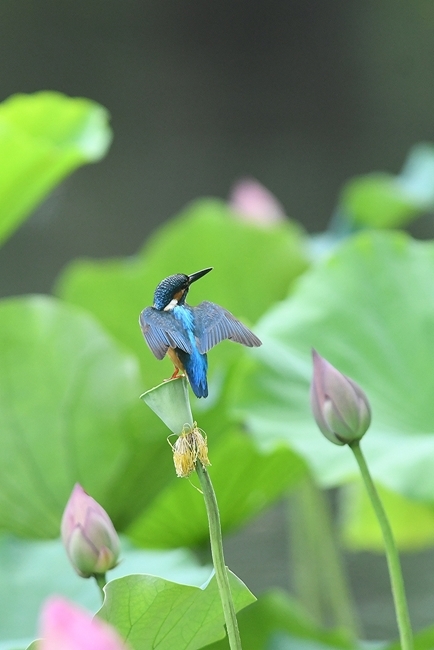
(186,333)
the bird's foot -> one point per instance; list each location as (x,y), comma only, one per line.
(176,375)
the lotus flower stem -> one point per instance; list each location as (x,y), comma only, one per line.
(101,581)
(396,579)
(170,401)
(218,557)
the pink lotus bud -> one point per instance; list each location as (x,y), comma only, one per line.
(340,407)
(67,627)
(253,202)
(88,535)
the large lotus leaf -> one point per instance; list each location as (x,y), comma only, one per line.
(369,309)
(43,138)
(245,481)
(155,613)
(31,571)
(69,411)
(275,621)
(253,267)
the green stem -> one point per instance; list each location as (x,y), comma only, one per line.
(221,573)
(319,576)
(398,591)
(303,534)
(101,581)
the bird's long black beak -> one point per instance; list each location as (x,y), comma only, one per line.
(199,274)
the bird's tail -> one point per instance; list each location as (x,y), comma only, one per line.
(200,389)
(196,366)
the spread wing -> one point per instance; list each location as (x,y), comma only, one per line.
(162,331)
(214,324)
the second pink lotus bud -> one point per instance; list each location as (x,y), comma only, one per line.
(340,407)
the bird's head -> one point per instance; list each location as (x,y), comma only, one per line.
(173,290)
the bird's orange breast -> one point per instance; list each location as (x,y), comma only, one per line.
(175,359)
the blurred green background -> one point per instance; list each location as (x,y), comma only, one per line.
(300,95)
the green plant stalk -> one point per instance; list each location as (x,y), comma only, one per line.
(221,573)
(319,577)
(396,579)
(303,532)
(101,581)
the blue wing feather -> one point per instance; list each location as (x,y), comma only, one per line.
(214,324)
(162,331)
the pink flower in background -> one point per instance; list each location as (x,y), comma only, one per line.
(253,202)
(88,535)
(65,626)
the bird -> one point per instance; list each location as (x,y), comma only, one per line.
(186,333)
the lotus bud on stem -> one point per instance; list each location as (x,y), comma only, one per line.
(89,537)
(340,407)
(343,414)
(170,401)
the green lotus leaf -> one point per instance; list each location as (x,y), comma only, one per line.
(377,201)
(369,309)
(380,200)
(154,613)
(412,521)
(70,412)
(43,138)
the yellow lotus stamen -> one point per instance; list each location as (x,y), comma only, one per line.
(189,447)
